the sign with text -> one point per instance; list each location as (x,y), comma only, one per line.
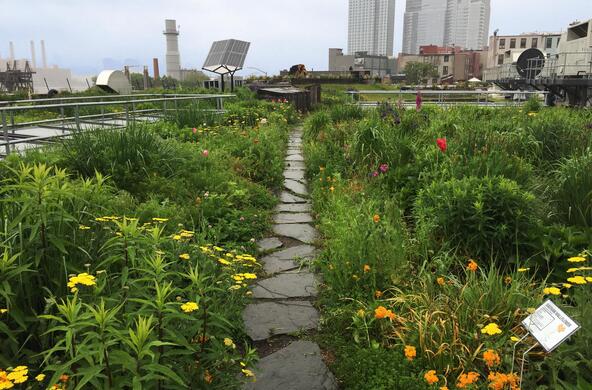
(550,326)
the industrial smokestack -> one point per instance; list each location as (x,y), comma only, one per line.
(43,57)
(156,69)
(145,74)
(173,58)
(33,57)
(11,51)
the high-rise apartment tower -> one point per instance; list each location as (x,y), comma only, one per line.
(371,26)
(463,23)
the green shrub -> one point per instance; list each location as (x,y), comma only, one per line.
(316,123)
(346,112)
(480,217)
(573,195)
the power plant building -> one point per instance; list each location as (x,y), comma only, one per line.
(463,23)
(371,27)
(173,57)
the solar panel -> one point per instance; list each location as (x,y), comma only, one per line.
(226,56)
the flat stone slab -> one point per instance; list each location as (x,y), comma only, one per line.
(266,319)
(294,157)
(293,151)
(286,197)
(295,187)
(283,286)
(268,244)
(299,366)
(294,174)
(292,218)
(301,232)
(295,165)
(287,259)
(293,208)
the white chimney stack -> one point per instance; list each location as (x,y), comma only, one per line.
(11,51)
(43,57)
(33,57)
(173,58)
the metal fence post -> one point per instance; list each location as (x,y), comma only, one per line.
(77,117)
(5,131)
(133,112)
(127,114)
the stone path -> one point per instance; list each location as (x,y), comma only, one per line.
(282,305)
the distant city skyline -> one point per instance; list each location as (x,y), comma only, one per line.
(86,35)
(371,27)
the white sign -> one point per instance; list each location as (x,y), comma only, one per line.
(550,326)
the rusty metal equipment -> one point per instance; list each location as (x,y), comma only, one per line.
(14,79)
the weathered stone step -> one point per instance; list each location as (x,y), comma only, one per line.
(294,174)
(301,232)
(287,259)
(296,187)
(286,197)
(292,218)
(294,157)
(266,319)
(295,165)
(289,285)
(293,207)
(268,244)
(299,366)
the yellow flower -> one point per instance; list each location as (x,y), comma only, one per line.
(366,268)
(532,114)
(189,307)
(156,219)
(361,313)
(576,259)
(378,294)
(410,352)
(441,281)
(83,278)
(224,261)
(40,377)
(491,329)
(567,285)
(229,343)
(83,227)
(176,237)
(184,256)
(376,218)
(523,269)
(552,291)
(577,280)
(588,279)
(508,279)
(331,188)
(472,266)
(430,377)
(514,339)
(247,372)
(2,311)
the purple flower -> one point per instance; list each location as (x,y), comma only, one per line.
(384,168)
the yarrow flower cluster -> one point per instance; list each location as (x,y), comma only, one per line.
(189,307)
(81,279)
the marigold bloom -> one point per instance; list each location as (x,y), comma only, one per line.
(440,280)
(378,294)
(467,379)
(472,266)
(491,358)
(431,377)
(551,291)
(366,268)
(444,388)
(499,381)
(442,144)
(376,218)
(491,329)
(577,280)
(189,307)
(382,312)
(410,352)
(64,378)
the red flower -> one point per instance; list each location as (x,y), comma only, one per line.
(194,130)
(442,144)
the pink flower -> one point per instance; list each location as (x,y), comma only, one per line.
(205,153)
(442,144)
(375,173)
(383,168)
(194,130)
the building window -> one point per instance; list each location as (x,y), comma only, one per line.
(523,43)
(535,43)
(500,59)
(549,43)
(446,58)
(444,70)
(513,43)
(502,43)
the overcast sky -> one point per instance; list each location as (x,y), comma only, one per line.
(86,35)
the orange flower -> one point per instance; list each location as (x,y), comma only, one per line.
(376,218)
(431,377)
(382,312)
(410,352)
(467,379)
(64,378)
(444,388)
(366,268)
(441,281)
(378,294)
(499,381)
(472,266)
(208,378)
(508,280)
(491,358)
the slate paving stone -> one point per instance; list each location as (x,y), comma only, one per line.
(288,259)
(299,366)
(286,197)
(266,319)
(272,265)
(293,208)
(301,232)
(282,286)
(295,165)
(295,187)
(292,218)
(294,157)
(268,244)
(294,174)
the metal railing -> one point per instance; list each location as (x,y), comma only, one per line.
(563,65)
(448,98)
(113,114)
